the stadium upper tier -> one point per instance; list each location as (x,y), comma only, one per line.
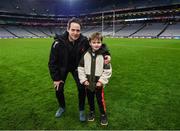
(75,7)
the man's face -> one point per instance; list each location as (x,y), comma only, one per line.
(95,44)
(74,31)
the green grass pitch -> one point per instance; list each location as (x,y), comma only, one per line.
(143,93)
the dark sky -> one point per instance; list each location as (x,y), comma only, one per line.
(67,7)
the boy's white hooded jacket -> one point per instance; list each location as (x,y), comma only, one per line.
(93,69)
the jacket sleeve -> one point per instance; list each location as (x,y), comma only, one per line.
(107,72)
(81,71)
(53,62)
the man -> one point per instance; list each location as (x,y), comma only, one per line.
(66,52)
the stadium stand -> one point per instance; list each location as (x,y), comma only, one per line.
(36,31)
(128,30)
(19,32)
(173,30)
(150,30)
(5,34)
(93,29)
(145,19)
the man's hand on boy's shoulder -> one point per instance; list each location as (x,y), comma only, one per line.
(107,59)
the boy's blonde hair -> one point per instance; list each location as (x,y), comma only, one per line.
(96,35)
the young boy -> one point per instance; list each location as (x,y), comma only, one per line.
(94,74)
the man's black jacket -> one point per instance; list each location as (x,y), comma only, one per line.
(59,55)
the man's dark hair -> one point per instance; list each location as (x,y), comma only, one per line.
(74,20)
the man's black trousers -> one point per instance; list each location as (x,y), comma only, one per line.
(81,91)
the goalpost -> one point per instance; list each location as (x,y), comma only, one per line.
(113,23)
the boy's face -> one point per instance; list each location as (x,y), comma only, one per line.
(95,44)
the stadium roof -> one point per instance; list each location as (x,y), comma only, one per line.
(75,7)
